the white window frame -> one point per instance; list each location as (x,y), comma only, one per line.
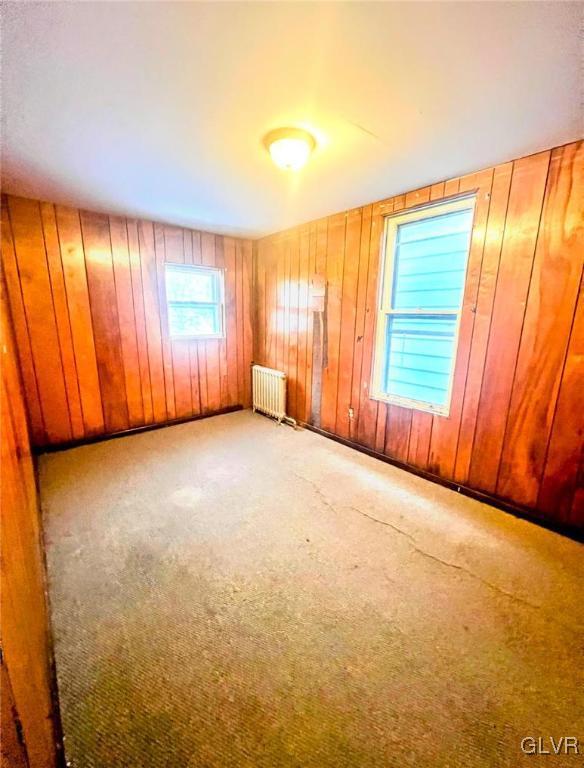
(220,272)
(392,222)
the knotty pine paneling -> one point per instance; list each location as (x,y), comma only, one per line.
(517,415)
(26,654)
(86,293)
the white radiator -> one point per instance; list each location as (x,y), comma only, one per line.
(269,392)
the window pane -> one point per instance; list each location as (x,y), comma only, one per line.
(438,225)
(191,284)
(193,320)
(419,357)
(430,262)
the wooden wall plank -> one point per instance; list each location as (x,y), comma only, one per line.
(12,750)
(347,321)
(239,303)
(33,274)
(577,514)
(174,244)
(187,237)
(270,307)
(359,328)
(500,341)
(248,309)
(167,368)
(367,428)
(521,227)
(397,432)
(222,343)
(280,248)
(302,329)
(294,311)
(61,309)
(97,301)
(451,187)
(318,323)
(546,328)
(274,325)
(335,257)
(140,318)
(312,232)
(283,273)
(126,319)
(25,357)
(482,321)
(211,347)
(259,301)
(174,252)
(263,263)
(75,275)
(231,340)
(481,444)
(562,472)
(195,378)
(104,315)
(152,315)
(26,655)
(420,437)
(278,288)
(286,307)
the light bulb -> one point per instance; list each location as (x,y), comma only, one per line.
(289,148)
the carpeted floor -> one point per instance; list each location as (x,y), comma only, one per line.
(233,593)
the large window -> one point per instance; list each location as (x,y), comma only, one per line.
(424,271)
(194,297)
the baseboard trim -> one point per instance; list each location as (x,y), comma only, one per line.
(525,513)
(56,447)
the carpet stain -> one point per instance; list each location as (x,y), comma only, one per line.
(186,498)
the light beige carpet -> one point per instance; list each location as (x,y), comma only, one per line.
(234,593)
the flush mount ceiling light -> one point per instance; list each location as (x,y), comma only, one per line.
(290,148)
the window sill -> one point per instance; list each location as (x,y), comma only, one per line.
(207,337)
(414,405)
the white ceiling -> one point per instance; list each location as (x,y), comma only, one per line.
(158,109)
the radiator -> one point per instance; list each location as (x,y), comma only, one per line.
(269,392)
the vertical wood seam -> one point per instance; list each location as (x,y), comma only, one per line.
(101,397)
(55,316)
(24,313)
(135,319)
(109,232)
(147,350)
(474,315)
(352,338)
(488,341)
(563,368)
(69,324)
(536,239)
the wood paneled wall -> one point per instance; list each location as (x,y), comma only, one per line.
(86,293)
(517,417)
(87,300)
(26,663)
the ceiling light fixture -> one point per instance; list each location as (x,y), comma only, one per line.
(289,148)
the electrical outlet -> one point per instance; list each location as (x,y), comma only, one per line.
(351,413)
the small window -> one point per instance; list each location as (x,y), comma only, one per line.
(424,272)
(194,297)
